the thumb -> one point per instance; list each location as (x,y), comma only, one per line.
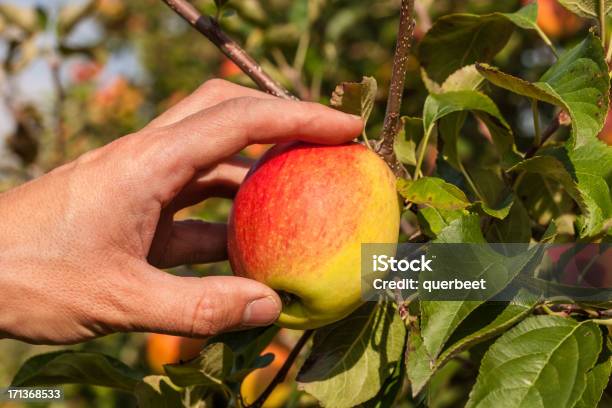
(200,307)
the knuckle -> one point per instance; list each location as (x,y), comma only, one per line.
(210,316)
(213,86)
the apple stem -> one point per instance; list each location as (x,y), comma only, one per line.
(391,124)
(282,373)
(230,48)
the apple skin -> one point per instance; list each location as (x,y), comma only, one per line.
(298,222)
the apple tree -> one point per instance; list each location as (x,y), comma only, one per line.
(489,153)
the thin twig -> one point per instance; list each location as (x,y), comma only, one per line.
(282,373)
(210,28)
(537,140)
(571,308)
(391,125)
(546,134)
(606,313)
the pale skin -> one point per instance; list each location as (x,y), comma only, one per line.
(81,247)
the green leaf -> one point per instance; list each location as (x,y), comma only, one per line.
(351,359)
(449,128)
(578,82)
(553,168)
(390,389)
(464,79)
(491,184)
(440,106)
(433,192)
(587,8)
(516,227)
(226,360)
(585,173)
(439,319)
(597,380)
(462,230)
(465,337)
(444,390)
(457,40)
(525,18)
(406,142)
(420,365)
(211,368)
(592,169)
(499,211)
(503,139)
(542,362)
(488,321)
(356,98)
(157,391)
(75,367)
(550,205)
(247,345)
(433,220)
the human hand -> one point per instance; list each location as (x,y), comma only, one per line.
(80,245)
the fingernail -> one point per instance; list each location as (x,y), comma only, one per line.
(357,117)
(261,312)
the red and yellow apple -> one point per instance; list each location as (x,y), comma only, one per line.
(299,220)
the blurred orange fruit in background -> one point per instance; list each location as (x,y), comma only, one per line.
(555,20)
(228,69)
(256,382)
(164,349)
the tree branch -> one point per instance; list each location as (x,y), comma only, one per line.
(282,373)
(211,30)
(391,125)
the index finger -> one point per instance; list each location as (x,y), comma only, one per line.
(210,93)
(207,137)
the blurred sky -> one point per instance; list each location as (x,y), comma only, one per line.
(34,83)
